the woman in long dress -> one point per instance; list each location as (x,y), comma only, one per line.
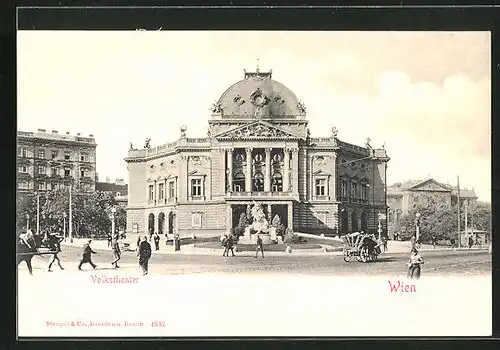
(414,264)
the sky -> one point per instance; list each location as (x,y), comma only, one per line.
(426,95)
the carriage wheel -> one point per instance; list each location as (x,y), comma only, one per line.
(358,256)
(347,256)
(364,255)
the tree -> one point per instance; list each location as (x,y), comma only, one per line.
(276,223)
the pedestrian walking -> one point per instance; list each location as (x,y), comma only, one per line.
(157,241)
(144,254)
(471,242)
(434,241)
(110,239)
(259,247)
(150,234)
(116,252)
(414,264)
(384,243)
(55,246)
(413,242)
(87,256)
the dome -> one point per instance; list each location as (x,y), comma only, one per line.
(258,96)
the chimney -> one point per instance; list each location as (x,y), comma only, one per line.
(42,130)
(90,135)
(67,133)
(54,131)
(78,134)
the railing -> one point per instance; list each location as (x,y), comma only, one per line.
(168,147)
(322,140)
(260,194)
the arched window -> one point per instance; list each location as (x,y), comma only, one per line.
(354,222)
(277,184)
(239,182)
(258,182)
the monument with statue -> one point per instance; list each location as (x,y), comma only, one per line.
(258,227)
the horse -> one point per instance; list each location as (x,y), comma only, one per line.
(26,249)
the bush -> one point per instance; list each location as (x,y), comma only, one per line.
(277,224)
(291,238)
(240,229)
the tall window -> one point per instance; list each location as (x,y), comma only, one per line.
(364,192)
(344,189)
(239,182)
(277,182)
(23,185)
(320,187)
(53,155)
(23,169)
(161,191)
(23,152)
(84,172)
(354,190)
(67,155)
(151,193)
(84,157)
(41,185)
(196,220)
(196,187)
(42,169)
(41,154)
(258,182)
(67,172)
(171,189)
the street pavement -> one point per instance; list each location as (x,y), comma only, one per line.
(437,263)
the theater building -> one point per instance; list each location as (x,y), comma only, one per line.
(258,148)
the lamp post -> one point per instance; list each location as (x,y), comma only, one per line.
(27,222)
(64,225)
(37,213)
(380,217)
(70,228)
(112,217)
(417,226)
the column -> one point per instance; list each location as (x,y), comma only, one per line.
(295,171)
(286,170)
(176,189)
(229,218)
(267,179)
(203,182)
(229,155)
(248,175)
(290,215)
(269,213)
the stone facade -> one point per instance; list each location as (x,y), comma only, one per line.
(258,149)
(50,160)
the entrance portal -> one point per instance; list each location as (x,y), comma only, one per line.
(171,223)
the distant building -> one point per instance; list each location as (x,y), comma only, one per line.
(119,189)
(406,196)
(52,160)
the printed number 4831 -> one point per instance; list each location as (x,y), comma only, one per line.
(157,324)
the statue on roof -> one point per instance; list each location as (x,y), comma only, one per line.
(301,107)
(131,146)
(183,131)
(367,144)
(383,145)
(335,132)
(147,143)
(216,107)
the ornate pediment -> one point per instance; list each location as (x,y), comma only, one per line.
(430,185)
(257,130)
(321,173)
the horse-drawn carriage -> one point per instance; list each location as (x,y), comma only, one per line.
(29,245)
(360,247)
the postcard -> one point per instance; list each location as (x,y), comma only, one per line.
(253,183)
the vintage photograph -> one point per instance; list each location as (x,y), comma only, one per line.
(250,183)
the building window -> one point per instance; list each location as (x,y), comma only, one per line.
(171,189)
(67,172)
(151,193)
(344,189)
(23,152)
(354,190)
(161,191)
(23,169)
(320,187)
(239,182)
(53,155)
(258,182)
(84,157)
(277,182)
(42,169)
(41,185)
(196,220)
(41,154)
(118,194)
(196,187)
(67,155)
(364,192)
(23,185)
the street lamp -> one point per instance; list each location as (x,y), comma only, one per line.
(64,225)
(417,226)
(27,222)
(112,217)
(380,217)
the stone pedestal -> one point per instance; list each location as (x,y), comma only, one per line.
(252,239)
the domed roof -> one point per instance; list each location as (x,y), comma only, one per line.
(259,96)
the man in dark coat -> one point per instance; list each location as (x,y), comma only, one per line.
(144,254)
(116,252)
(87,256)
(259,247)
(156,239)
(228,245)
(471,242)
(54,242)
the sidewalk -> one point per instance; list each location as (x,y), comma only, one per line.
(189,249)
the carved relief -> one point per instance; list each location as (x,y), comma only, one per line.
(216,107)
(301,107)
(278,100)
(238,100)
(256,130)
